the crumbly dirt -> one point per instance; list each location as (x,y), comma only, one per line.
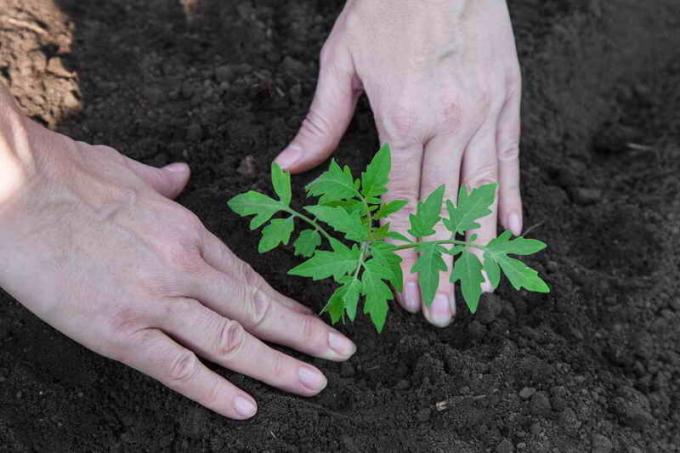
(594,366)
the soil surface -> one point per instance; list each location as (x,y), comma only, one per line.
(594,366)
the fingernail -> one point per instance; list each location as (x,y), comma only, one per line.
(441,310)
(245,407)
(412,297)
(177,167)
(515,224)
(312,379)
(288,157)
(341,345)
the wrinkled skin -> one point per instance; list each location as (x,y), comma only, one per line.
(91,242)
(443,80)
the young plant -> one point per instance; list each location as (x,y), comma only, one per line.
(359,257)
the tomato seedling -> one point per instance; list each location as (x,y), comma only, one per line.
(365,264)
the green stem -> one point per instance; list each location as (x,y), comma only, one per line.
(445,241)
(362,257)
(311,222)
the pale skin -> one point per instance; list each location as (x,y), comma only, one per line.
(443,81)
(93,243)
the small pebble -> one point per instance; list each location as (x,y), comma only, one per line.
(194,132)
(675,304)
(540,404)
(585,196)
(423,415)
(403,385)
(476,330)
(527,392)
(247,167)
(601,444)
(505,446)
(346,370)
(225,73)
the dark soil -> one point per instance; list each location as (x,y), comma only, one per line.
(594,366)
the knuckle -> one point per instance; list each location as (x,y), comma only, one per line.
(485,175)
(400,125)
(126,320)
(312,329)
(181,308)
(230,340)
(183,368)
(186,257)
(509,151)
(278,365)
(316,124)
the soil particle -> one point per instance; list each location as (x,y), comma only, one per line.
(424,415)
(247,167)
(540,404)
(527,392)
(347,370)
(505,446)
(476,330)
(490,306)
(585,196)
(601,444)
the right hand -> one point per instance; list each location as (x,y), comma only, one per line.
(93,244)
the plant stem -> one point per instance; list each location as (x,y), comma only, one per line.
(362,257)
(311,222)
(445,241)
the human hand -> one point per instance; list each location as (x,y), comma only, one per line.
(92,243)
(443,80)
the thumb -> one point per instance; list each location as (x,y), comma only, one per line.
(169,181)
(331,111)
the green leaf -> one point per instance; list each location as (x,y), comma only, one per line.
(428,266)
(351,298)
(341,221)
(519,274)
(257,204)
(390,208)
(374,179)
(517,246)
(281,183)
(307,242)
(333,185)
(398,237)
(277,232)
(522,276)
(335,306)
(377,293)
(384,254)
(471,207)
(492,270)
(427,214)
(324,264)
(468,270)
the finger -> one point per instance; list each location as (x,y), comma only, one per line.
(507,142)
(218,255)
(336,96)
(441,165)
(169,181)
(404,184)
(244,296)
(480,167)
(226,343)
(178,368)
